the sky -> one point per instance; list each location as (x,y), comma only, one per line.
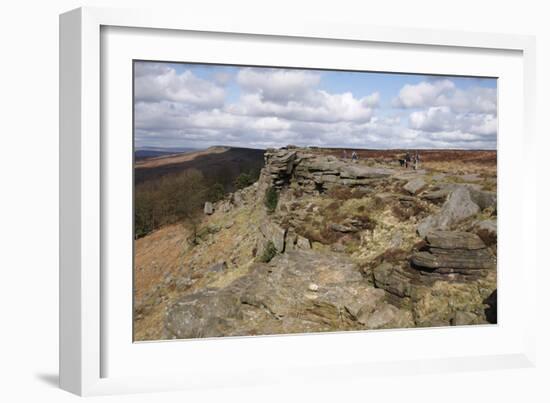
(198,106)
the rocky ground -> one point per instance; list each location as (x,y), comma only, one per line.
(350,245)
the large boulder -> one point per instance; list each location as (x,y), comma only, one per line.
(206,313)
(208,208)
(458,207)
(453,255)
(415,186)
(484,199)
(363,172)
(274,233)
(454,240)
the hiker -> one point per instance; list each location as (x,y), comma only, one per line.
(345,154)
(407,159)
(417,160)
(354,156)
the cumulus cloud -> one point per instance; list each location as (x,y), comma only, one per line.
(445,93)
(294,95)
(447,116)
(158,83)
(441,118)
(277,85)
(262,107)
(321,107)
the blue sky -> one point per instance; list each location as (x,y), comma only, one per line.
(196,105)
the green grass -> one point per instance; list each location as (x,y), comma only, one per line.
(271,199)
(269,253)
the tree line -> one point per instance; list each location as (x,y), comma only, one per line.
(180,197)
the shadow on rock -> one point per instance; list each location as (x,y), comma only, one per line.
(491,310)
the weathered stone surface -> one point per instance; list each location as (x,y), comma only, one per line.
(206,313)
(431,305)
(343,228)
(362,172)
(208,208)
(484,199)
(302,243)
(396,240)
(279,298)
(313,287)
(487,231)
(393,279)
(237,199)
(317,172)
(457,208)
(415,186)
(274,233)
(390,317)
(454,240)
(466,318)
(290,240)
(218,267)
(224,206)
(453,259)
(436,196)
(213,228)
(435,299)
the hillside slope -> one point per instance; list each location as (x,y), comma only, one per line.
(214,163)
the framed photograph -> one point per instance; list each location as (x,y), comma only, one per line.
(243,203)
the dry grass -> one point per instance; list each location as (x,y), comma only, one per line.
(167,253)
(156,256)
(345,193)
(404,213)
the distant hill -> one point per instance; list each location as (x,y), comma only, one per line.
(153,152)
(220,164)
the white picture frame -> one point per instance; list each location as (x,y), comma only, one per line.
(86,345)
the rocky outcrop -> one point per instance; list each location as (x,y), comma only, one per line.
(279,298)
(315,172)
(450,281)
(455,260)
(452,266)
(453,255)
(280,164)
(348,210)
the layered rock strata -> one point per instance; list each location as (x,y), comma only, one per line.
(316,172)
